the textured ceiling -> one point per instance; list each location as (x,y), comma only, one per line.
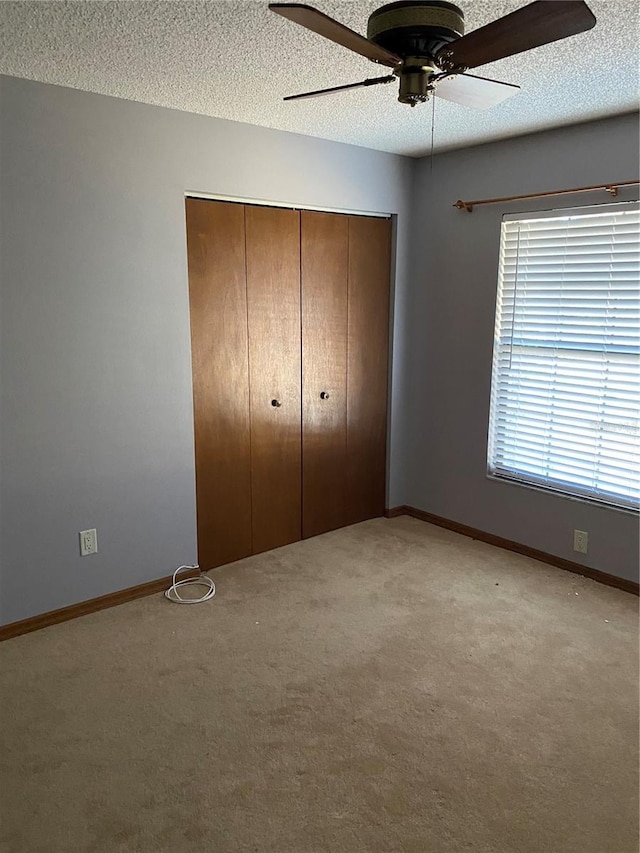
(235,59)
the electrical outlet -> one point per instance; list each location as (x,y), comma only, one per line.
(580,541)
(88,542)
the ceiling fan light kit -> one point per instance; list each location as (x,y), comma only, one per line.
(424,42)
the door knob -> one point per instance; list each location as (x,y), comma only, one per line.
(276,404)
(324,395)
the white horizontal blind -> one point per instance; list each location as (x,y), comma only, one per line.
(565,401)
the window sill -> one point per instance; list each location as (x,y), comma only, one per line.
(513,481)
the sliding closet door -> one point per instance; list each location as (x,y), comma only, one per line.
(273,300)
(367,366)
(324,272)
(217,298)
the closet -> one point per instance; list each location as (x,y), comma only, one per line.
(289,335)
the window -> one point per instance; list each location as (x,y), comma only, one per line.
(565,397)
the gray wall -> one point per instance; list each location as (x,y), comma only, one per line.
(451,307)
(96,423)
(95,355)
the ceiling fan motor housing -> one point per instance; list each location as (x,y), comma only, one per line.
(416,30)
(416,27)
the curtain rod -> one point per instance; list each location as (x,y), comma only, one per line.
(610,188)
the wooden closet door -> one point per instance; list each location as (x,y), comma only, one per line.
(273,300)
(324,273)
(218,310)
(367,366)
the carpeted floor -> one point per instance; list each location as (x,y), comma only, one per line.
(387,687)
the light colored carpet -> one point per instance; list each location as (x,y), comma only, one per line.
(387,687)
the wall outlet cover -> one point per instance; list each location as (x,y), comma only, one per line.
(88,542)
(580,541)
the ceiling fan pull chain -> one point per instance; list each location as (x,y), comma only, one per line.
(433,127)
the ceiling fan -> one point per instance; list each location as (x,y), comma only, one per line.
(423,41)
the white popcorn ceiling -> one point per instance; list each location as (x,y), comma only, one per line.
(235,59)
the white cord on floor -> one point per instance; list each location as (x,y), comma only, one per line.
(203,580)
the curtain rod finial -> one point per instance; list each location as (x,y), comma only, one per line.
(463,205)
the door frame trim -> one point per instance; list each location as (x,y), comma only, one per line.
(289,205)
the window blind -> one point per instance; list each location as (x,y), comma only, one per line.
(565,399)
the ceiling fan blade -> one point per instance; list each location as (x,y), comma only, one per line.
(325,26)
(373,81)
(538,23)
(472,91)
